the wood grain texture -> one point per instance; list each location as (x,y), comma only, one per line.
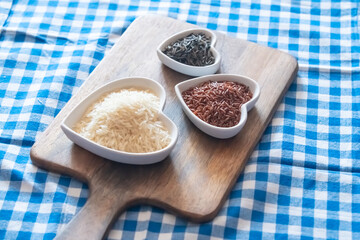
(196,178)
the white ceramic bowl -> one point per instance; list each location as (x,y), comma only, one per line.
(219,132)
(112,154)
(188,69)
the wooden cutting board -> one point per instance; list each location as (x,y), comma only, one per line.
(195,180)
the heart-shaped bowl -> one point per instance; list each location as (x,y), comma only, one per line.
(185,68)
(212,130)
(140,83)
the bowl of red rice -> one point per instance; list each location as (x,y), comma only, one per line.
(218,104)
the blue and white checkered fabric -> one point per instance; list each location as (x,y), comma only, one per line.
(303,179)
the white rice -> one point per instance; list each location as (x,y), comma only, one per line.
(126,120)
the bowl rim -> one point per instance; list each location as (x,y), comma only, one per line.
(173,131)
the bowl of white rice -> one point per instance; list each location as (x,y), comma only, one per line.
(123,121)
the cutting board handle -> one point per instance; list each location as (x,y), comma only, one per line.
(97,216)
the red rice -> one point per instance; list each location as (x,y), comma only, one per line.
(218,103)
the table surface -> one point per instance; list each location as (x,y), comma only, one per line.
(302,180)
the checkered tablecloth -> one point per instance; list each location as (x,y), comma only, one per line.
(301,182)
